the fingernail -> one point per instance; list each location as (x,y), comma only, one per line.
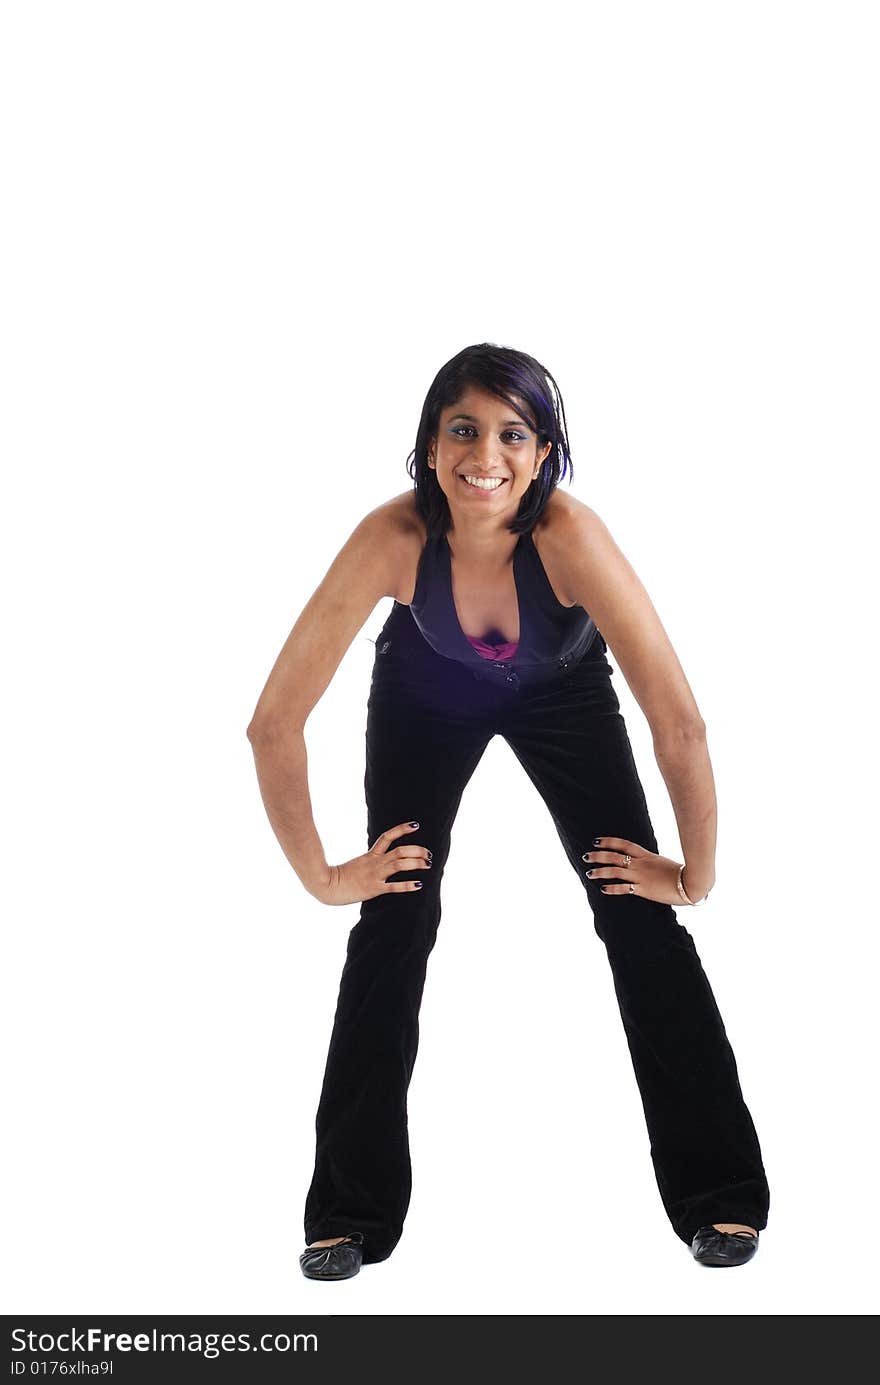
(586,856)
(596,841)
(414,824)
(419,884)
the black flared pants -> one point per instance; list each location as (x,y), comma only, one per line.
(429,720)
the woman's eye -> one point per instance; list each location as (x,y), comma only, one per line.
(510,433)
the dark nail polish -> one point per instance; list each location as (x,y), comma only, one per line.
(419,884)
(596,841)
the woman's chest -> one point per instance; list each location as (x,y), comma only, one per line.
(481,601)
(487,607)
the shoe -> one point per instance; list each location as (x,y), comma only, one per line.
(711,1247)
(341,1261)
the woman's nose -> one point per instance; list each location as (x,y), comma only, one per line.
(486,455)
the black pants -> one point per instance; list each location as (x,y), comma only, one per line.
(429,720)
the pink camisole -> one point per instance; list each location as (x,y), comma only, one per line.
(494,651)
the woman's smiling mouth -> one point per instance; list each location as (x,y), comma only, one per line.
(485,484)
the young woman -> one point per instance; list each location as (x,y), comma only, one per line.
(507,595)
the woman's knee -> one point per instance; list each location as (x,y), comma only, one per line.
(639,928)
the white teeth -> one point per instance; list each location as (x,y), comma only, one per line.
(485,484)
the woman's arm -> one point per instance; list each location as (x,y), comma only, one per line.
(598,577)
(687,772)
(366,569)
(282,771)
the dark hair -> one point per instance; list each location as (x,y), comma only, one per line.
(503,372)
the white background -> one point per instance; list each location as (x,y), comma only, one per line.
(239,241)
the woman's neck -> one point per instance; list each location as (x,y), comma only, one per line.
(480,545)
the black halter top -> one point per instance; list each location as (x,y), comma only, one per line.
(551,636)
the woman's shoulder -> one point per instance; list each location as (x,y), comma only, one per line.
(552,537)
(567,523)
(560,507)
(403,514)
(407,533)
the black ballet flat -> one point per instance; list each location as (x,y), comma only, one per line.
(340,1261)
(711,1247)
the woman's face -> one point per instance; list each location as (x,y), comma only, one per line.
(481,437)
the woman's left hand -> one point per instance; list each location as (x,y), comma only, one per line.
(652,876)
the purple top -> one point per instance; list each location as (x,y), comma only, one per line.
(550,635)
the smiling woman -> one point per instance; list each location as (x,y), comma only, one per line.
(507,595)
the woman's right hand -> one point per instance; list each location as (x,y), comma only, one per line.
(365,877)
